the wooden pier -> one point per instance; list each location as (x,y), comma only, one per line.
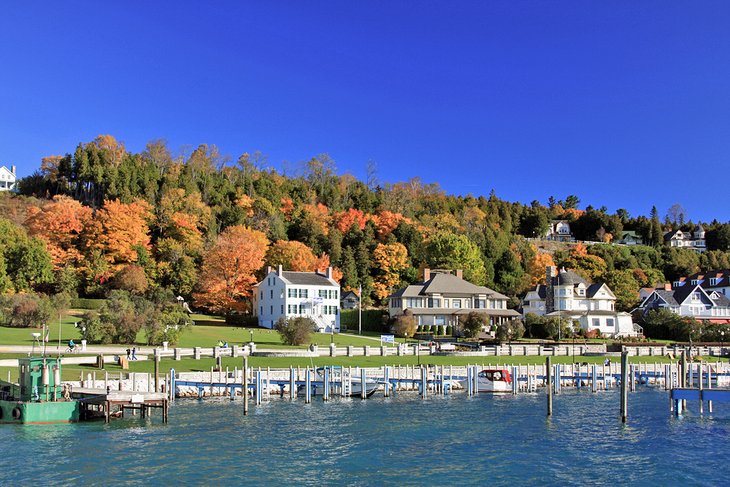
(109,403)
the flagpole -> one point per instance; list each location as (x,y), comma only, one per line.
(59,335)
(359,311)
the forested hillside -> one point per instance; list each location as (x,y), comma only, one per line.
(101,218)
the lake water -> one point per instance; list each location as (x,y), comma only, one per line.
(395,441)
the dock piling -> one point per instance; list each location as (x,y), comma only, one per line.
(624,386)
(244,385)
(549,385)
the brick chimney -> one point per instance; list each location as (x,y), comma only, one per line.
(549,289)
(280,270)
(268,270)
(460,273)
(12,169)
(426,274)
(667,286)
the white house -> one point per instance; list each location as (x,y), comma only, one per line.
(569,296)
(559,230)
(694,240)
(7,178)
(290,294)
(443,297)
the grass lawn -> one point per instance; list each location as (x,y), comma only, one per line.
(22,336)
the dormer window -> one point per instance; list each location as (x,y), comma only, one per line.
(676,283)
(695,296)
(694,282)
(713,281)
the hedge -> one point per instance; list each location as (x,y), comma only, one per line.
(372,320)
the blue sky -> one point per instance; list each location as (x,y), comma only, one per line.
(623,103)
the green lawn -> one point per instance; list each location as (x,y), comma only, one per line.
(22,336)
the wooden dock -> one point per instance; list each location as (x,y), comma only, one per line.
(109,403)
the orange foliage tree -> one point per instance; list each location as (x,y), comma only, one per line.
(537,268)
(346,219)
(292,256)
(227,274)
(119,229)
(387,221)
(390,260)
(60,223)
(183,217)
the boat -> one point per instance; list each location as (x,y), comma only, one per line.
(341,384)
(492,380)
(38,397)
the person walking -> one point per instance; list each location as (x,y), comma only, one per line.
(134,353)
(129,354)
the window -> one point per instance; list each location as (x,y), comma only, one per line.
(695,296)
(434,302)
(292,309)
(457,303)
(596,322)
(262,295)
(262,310)
(272,309)
(282,309)
(609,322)
(272,294)
(268,281)
(301,309)
(480,303)
(291,292)
(446,303)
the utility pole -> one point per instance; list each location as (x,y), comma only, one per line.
(359,310)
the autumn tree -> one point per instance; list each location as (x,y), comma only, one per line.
(118,229)
(292,256)
(536,268)
(227,273)
(389,261)
(60,223)
(405,325)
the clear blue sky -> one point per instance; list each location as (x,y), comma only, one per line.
(626,103)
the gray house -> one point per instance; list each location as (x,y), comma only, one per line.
(444,296)
(349,300)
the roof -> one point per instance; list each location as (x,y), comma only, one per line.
(463,311)
(446,284)
(307,278)
(349,294)
(568,277)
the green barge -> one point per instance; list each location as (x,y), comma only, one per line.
(39,397)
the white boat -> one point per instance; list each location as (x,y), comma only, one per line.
(341,384)
(492,380)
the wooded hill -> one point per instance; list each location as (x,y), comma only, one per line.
(102,218)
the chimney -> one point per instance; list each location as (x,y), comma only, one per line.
(549,289)
(667,286)
(268,270)
(329,272)
(12,169)
(460,273)
(279,270)
(426,274)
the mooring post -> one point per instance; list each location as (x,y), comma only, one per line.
(172,385)
(156,353)
(594,379)
(326,385)
(549,385)
(386,380)
(363,388)
(624,385)
(244,385)
(308,382)
(292,385)
(709,385)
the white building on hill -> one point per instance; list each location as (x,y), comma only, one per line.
(291,294)
(7,178)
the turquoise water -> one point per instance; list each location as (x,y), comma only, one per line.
(396,441)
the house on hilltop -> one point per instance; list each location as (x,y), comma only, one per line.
(559,230)
(349,300)
(8,178)
(694,240)
(568,295)
(286,294)
(444,296)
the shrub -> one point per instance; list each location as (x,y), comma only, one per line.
(28,311)
(450,330)
(166,324)
(131,278)
(405,325)
(295,331)
(473,323)
(442,330)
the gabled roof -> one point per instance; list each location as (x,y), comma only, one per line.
(673,234)
(348,295)
(307,278)
(666,296)
(594,288)
(446,284)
